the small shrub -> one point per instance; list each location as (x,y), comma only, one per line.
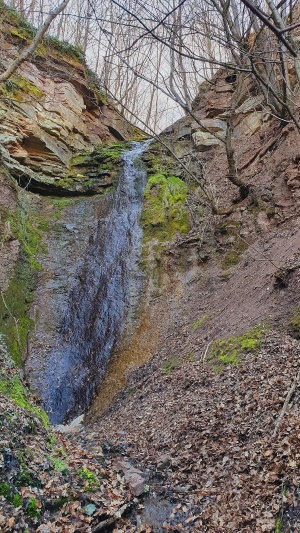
(87,475)
(4,490)
(32,509)
(59,465)
(17,501)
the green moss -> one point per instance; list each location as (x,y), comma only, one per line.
(60,204)
(19,394)
(198,323)
(164,212)
(278,525)
(25,28)
(229,351)
(231,258)
(17,85)
(102,161)
(27,227)
(293,325)
(32,509)
(52,441)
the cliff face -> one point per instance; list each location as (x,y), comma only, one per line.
(61,142)
(50,111)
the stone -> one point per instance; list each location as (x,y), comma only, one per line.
(263,221)
(123,465)
(73,427)
(136,484)
(184,132)
(204,141)
(90,509)
(163,463)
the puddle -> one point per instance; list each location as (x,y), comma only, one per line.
(155,513)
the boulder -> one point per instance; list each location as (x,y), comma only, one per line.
(204,141)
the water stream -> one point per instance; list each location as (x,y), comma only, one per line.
(102,300)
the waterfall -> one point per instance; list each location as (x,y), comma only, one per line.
(106,289)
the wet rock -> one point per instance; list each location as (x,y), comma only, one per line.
(73,427)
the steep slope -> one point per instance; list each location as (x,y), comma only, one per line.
(220,396)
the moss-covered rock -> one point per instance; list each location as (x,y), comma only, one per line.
(19,87)
(15,302)
(12,387)
(164,213)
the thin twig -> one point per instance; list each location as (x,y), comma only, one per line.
(111,520)
(285,405)
(205,353)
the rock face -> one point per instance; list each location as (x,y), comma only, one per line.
(50,111)
(61,145)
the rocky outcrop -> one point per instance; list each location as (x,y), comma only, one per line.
(50,111)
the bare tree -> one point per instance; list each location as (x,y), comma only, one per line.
(27,52)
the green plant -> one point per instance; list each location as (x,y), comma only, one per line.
(191,357)
(229,351)
(51,441)
(17,501)
(169,365)
(198,323)
(59,465)
(87,475)
(32,509)
(4,490)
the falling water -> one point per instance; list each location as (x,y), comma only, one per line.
(106,289)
